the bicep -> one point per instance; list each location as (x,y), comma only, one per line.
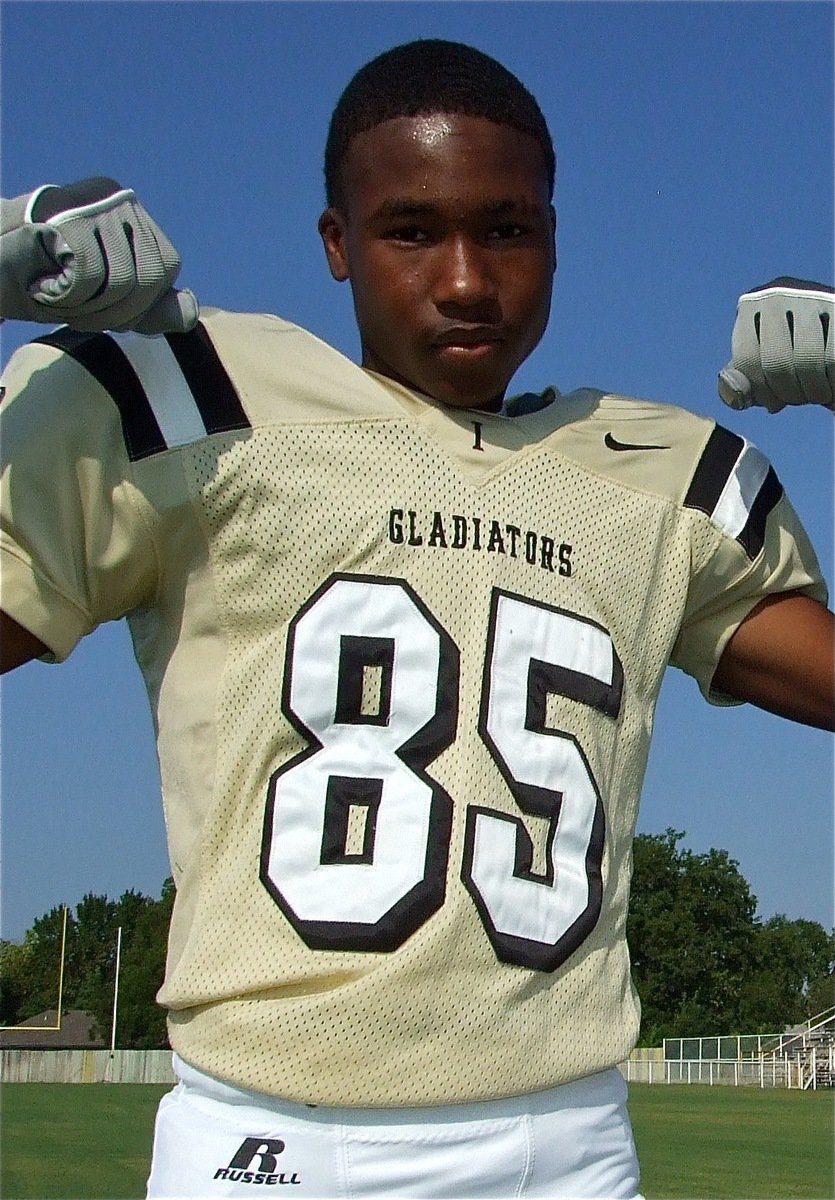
(782,658)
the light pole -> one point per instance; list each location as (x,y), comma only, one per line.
(116,991)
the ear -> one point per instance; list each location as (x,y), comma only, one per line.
(332,230)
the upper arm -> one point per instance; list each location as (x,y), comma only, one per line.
(76,542)
(17,645)
(782,658)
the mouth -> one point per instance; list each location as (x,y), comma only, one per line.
(467,342)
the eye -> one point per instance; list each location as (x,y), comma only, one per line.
(408,234)
(507,232)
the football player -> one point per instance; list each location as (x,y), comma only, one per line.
(403,634)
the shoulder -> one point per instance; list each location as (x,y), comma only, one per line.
(662,449)
(286,374)
(616,428)
(232,372)
(159,391)
(692,464)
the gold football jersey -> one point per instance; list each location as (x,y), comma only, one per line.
(403,663)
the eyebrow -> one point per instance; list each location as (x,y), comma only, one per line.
(398,209)
(391,209)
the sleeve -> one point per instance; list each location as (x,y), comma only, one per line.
(746,543)
(76,542)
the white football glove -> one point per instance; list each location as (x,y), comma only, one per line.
(88,255)
(783,347)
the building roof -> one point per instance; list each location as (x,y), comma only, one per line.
(40,1032)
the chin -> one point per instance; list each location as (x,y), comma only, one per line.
(463,389)
(466,388)
(468,394)
(482,403)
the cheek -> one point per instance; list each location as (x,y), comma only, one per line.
(538,300)
(387,299)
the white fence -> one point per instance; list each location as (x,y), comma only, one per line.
(154,1066)
(644,1066)
(745,1072)
(86,1066)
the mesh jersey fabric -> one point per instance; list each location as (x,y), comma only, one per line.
(403,663)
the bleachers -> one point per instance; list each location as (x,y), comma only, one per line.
(812,1047)
(801,1057)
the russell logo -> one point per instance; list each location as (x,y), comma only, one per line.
(266,1151)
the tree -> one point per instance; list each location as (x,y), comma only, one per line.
(91,950)
(15,971)
(821,994)
(31,970)
(791,980)
(690,930)
(40,965)
(703,963)
(140,1020)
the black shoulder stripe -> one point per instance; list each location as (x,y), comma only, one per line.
(713,471)
(736,487)
(752,536)
(103,359)
(213,391)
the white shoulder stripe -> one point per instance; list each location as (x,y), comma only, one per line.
(166,388)
(733,508)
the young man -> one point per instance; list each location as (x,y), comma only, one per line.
(403,639)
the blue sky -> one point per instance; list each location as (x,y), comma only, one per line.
(694,147)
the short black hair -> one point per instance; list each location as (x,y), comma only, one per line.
(424,77)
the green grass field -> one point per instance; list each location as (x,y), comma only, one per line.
(86,1140)
(716,1142)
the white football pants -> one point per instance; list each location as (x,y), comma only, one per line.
(215,1140)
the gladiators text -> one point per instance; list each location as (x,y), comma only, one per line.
(456,532)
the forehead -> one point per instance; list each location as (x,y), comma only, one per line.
(444,159)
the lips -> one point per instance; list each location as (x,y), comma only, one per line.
(467,336)
(467,344)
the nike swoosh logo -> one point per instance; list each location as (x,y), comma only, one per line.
(614,444)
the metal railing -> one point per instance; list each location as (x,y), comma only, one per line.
(745,1072)
(803,1057)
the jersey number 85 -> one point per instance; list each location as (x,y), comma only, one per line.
(357,833)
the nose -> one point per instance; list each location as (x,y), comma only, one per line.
(464,278)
